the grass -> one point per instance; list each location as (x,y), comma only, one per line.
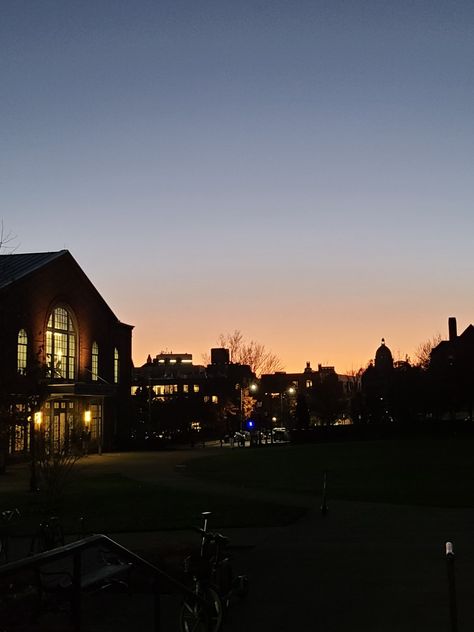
(418,472)
(431,472)
(115,503)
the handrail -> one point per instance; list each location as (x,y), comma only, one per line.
(74,550)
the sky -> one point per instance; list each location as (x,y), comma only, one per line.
(300,170)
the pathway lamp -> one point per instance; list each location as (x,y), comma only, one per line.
(34,434)
(291,390)
(87,431)
(252,388)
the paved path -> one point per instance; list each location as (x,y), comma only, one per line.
(364,566)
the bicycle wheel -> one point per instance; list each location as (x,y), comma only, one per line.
(195,616)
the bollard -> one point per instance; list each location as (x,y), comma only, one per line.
(324,506)
(453,609)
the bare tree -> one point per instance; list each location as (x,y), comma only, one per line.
(252,353)
(423,351)
(7,240)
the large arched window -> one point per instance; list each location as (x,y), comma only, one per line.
(116,366)
(95,361)
(61,345)
(22,351)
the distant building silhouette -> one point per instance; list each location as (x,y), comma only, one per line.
(375,387)
(451,370)
(174,396)
(383,359)
(310,397)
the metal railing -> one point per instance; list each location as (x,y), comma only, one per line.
(75,552)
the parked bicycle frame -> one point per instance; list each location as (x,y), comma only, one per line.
(213,583)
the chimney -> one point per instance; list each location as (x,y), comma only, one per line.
(452,329)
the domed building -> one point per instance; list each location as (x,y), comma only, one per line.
(383,359)
(376,381)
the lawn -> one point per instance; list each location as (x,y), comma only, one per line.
(434,472)
(413,472)
(115,503)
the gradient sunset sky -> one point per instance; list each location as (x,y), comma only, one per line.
(299,170)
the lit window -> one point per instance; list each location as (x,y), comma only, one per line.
(215,399)
(95,361)
(116,366)
(206,399)
(309,383)
(135,389)
(60,346)
(22,351)
(185,388)
(196,388)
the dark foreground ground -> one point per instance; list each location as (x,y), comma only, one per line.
(364,566)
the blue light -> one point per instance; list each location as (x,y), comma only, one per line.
(250,423)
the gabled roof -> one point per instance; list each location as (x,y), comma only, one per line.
(468,332)
(14,267)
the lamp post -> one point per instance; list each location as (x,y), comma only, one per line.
(35,428)
(87,431)
(251,388)
(290,391)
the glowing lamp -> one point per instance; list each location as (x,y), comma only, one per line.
(38,419)
(87,417)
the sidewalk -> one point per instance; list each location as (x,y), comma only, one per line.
(365,566)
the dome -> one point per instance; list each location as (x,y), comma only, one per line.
(383,357)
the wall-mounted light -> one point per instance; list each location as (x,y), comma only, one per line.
(38,419)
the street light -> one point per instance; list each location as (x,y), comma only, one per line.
(251,388)
(87,431)
(291,390)
(35,428)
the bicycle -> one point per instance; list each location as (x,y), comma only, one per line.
(49,535)
(214,584)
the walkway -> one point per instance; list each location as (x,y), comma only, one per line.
(365,566)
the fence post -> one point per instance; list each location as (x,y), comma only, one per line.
(76,591)
(156,606)
(453,609)
(324,506)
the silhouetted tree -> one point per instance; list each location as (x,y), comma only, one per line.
(404,392)
(423,351)
(254,354)
(327,399)
(302,412)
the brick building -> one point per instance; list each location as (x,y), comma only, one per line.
(65,368)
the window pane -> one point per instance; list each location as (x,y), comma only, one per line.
(61,345)
(95,361)
(116,366)
(22,351)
